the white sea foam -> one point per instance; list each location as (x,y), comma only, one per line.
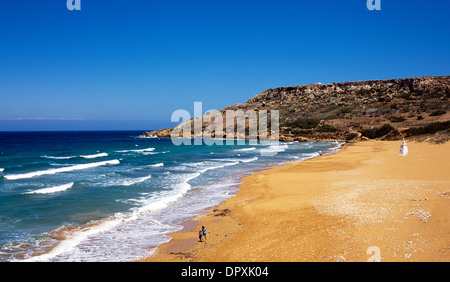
(51,190)
(245,149)
(157,165)
(58,158)
(238,160)
(149,153)
(69,244)
(129,182)
(95,156)
(59,170)
(110,180)
(202,167)
(249,160)
(163,198)
(136,151)
(273,149)
(218,166)
(2,169)
(306,156)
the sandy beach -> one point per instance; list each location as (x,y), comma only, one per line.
(363,203)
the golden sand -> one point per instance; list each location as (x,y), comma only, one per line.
(363,203)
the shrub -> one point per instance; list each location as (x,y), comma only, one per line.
(305,123)
(351,136)
(406,96)
(346,110)
(438,113)
(428,129)
(298,131)
(398,119)
(377,132)
(326,128)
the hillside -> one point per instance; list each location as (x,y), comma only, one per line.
(376,109)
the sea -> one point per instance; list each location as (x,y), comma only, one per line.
(113,196)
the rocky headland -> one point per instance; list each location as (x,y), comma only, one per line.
(350,111)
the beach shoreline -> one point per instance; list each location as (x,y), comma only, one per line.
(363,203)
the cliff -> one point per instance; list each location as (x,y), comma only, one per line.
(376,109)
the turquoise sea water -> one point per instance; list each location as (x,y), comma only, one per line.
(112,196)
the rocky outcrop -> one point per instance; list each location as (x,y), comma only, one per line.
(346,110)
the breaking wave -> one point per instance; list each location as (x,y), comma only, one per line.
(59,170)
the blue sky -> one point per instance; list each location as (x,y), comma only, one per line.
(129,64)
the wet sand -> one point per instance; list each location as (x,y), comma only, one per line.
(363,203)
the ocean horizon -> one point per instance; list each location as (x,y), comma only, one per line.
(113,195)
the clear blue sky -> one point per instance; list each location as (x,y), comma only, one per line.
(129,64)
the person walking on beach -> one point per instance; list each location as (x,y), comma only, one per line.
(204,232)
(200,235)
